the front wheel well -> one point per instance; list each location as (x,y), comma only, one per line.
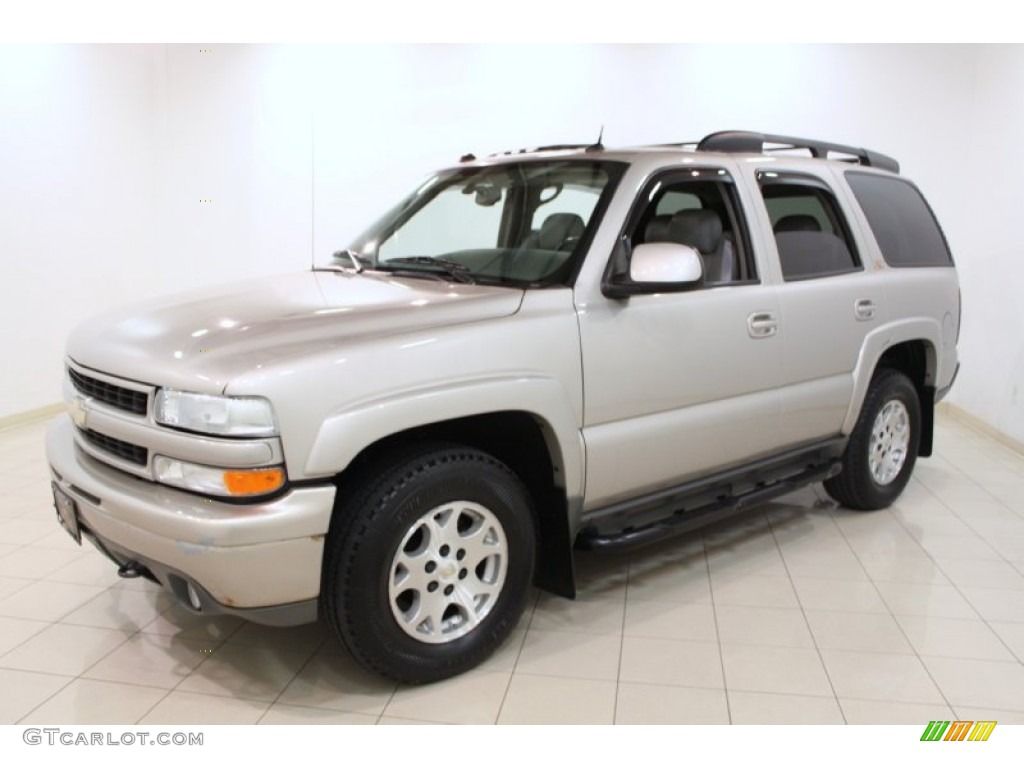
(916,359)
(526,445)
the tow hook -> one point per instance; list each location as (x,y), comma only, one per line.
(130,570)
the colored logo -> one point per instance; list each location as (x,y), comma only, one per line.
(959,730)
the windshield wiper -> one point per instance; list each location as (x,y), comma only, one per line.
(451,269)
(356,259)
(346,260)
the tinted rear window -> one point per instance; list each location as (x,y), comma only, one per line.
(811,234)
(903,224)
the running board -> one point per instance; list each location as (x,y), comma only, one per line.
(673,512)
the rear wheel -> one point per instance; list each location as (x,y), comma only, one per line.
(430,563)
(883,447)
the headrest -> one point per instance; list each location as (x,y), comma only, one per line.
(797,222)
(700,228)
(557,228)
(657,229)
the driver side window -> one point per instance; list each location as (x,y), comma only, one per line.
(699,209)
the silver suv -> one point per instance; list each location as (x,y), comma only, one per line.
(565,347)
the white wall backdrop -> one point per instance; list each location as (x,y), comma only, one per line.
(77,189)
(108,155)
(990,247)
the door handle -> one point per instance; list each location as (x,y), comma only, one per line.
(864,309)
(762,325)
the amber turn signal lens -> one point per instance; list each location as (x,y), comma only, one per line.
(252,482)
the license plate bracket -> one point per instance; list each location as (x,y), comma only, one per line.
(67,513)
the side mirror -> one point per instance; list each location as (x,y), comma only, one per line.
(665,263)
(658,268)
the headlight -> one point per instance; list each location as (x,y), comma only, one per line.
(216,481)
(215,414)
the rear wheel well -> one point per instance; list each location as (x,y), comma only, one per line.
(525,444)
(916,359)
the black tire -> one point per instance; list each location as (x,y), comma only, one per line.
(859,486)
(393,524)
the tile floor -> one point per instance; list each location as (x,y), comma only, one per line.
(800,613)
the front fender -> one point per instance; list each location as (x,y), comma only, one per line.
(345,434)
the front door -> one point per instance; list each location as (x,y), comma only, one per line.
(677,385)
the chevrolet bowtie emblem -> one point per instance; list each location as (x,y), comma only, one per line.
(79,410)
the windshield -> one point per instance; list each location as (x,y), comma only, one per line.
(515,223)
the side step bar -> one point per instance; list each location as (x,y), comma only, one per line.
(673,512)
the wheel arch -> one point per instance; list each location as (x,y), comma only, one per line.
(529,446)
(911,349)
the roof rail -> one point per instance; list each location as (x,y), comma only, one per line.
(749,141)
(548,148)
(558,147)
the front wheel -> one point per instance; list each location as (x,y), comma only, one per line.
(883,446)
(430,562)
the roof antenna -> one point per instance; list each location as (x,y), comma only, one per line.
(598,147)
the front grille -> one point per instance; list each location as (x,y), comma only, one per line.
(136,454)
(111,394)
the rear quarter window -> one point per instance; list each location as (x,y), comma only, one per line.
(903,224)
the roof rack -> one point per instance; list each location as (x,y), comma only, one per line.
(749,141)
(550,148)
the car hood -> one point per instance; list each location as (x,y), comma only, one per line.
(201,340)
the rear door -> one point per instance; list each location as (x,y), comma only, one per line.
(829,294)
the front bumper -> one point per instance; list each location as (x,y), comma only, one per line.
(260,560)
